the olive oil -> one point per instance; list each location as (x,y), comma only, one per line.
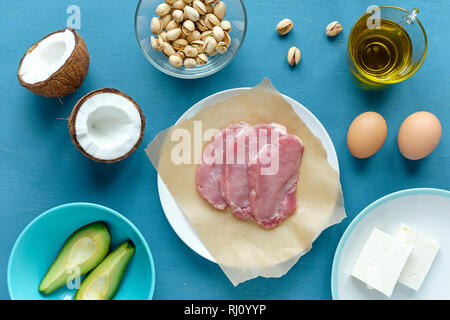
(380,55)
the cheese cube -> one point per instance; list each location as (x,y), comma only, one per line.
(381,261)
(421,258)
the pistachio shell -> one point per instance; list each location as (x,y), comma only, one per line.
(190,52)
(155,44)
(201,59)
(173,34)
(285,26)
(191,14)
(172,25)
(190,63)
(218,33)
(178,15)
(227,39)
(179,44)
(293,56)
(207,34)
(198,44)
(221,47)
(209,45)
(156,25)
(199,6)
(162,9)
(163,36)
(225,25)
(220,10)
(188,27)
(333,29)
(181,54)
(194,36)
(176,61)
(168,49)
(211,20)
(179,4)
(171,2)
(201,25)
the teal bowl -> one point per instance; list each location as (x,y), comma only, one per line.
(40,242)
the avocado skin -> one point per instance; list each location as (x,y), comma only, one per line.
(55,277)
(113,266)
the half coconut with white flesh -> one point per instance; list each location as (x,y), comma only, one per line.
(56,65)
(107,125)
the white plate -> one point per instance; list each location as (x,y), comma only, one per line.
(424,210)
(173,213)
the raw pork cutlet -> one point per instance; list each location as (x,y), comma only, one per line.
(244,146)
(210,171)
(272,196)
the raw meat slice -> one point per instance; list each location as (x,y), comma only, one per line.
(272,196)
(210,171)
(240,151)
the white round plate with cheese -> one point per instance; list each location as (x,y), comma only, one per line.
(175,216)
(425,210)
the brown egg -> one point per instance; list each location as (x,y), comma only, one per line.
(366,134)
(419,135)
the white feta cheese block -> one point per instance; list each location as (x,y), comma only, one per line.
(421,258)
(381,261)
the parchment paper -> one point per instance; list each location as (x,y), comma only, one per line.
(243,249)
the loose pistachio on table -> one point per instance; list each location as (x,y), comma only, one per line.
(285,26)
(333,29)
(188,32)
(293,56)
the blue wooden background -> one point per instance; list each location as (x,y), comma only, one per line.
(40,167)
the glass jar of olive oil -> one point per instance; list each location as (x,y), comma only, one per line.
(386,45)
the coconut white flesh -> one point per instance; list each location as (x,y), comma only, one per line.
(49,55)
(107,126)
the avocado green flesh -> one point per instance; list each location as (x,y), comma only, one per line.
(102,283)
(81,253)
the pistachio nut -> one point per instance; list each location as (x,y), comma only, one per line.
(194,36)
(165,20)
(168,49)
(181,55)
(156,25)
(155,44)
(191,14)
(178,15)
(171,2)
(209,45)
(174,34)
(225,25)
(227,39)
(172,25)
(210,1)
(176,61)
(163,36)
(190,63)
(212,54)
(207,34)
(201,25)
(179,44)
(293,56)
(198,44)
(199,6)
(211,20)
(201,59)
(188,27)
(220,10)
(160,41)
(162,9)
(179,4)
(188,1)
(218,33)
(284,26)
(333,29)
(221,47)
(190,52)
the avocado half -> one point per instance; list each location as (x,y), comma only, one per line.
(81,253)
(102,283)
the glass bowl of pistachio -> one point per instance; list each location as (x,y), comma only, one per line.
(190,38)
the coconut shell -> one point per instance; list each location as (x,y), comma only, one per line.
(66,79)
(73,116)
